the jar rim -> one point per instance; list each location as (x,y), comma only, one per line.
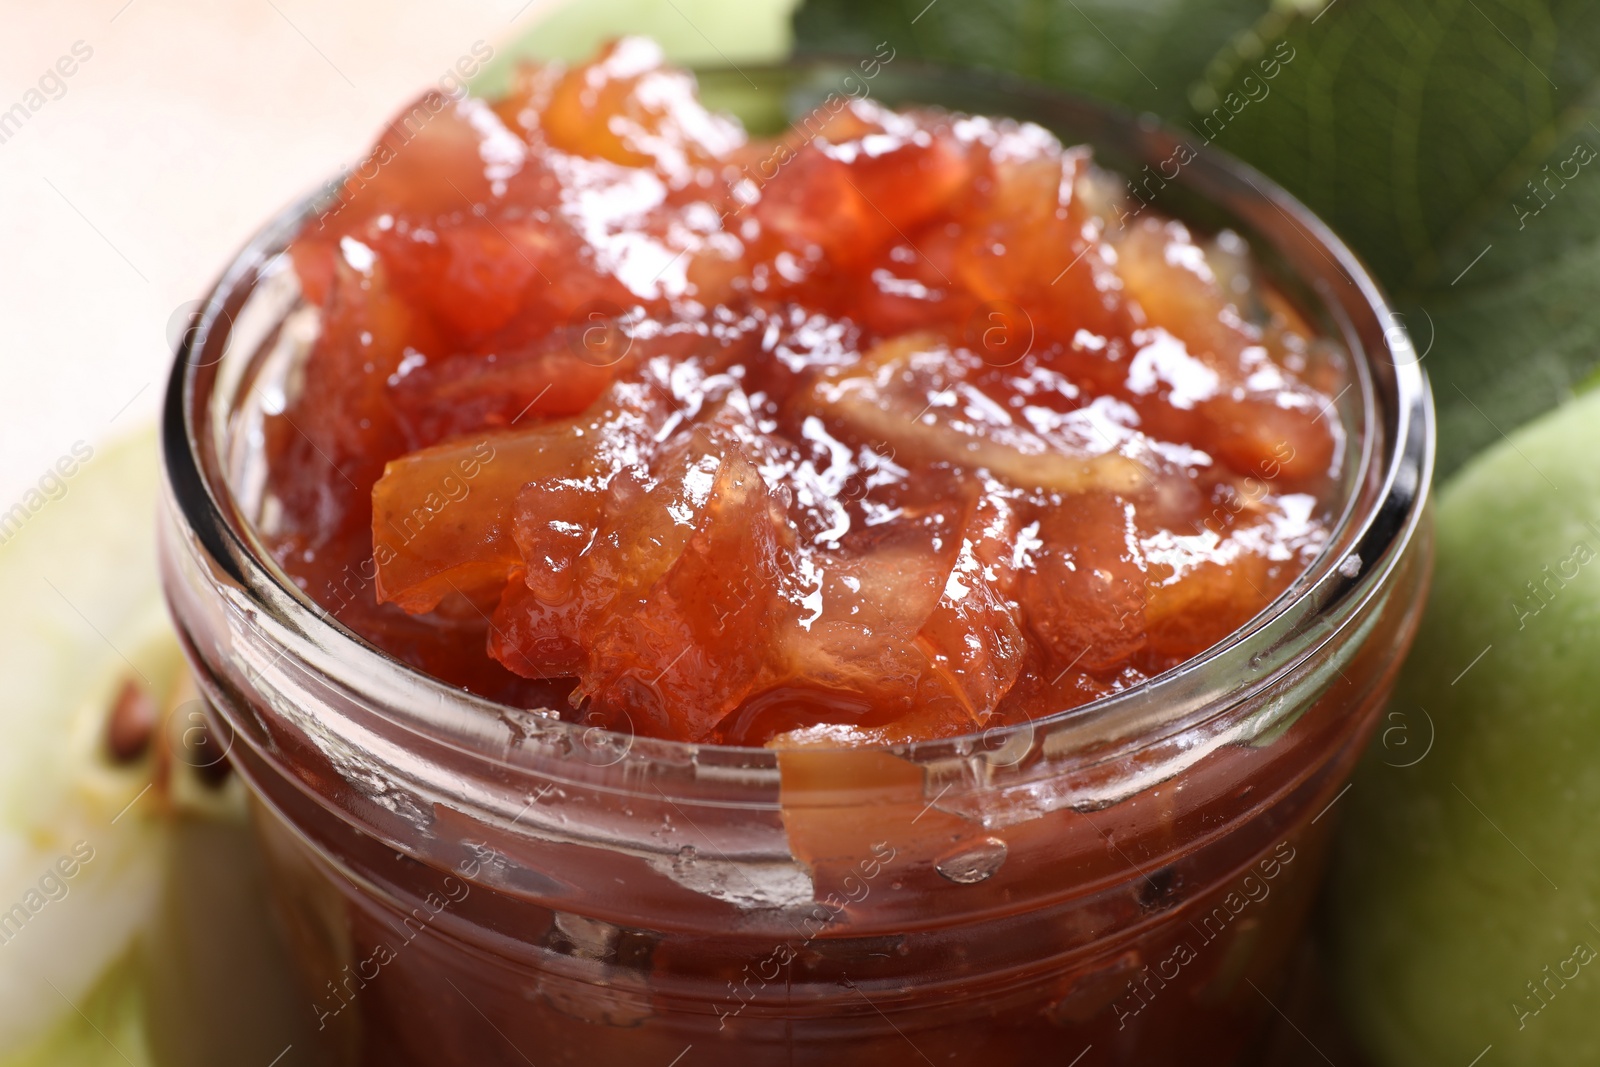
(1384,503)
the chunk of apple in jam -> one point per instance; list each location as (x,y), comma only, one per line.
(660,575)
(443,518)
(440,161)
(974,634)
(330,440)
(679,654)
(625,106)
(1085,593)
(1025,246)
(557,377)
(846,648)
(1213,580)
(839,191)
(913,393)
(1253,413)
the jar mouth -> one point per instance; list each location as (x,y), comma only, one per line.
(1387,405)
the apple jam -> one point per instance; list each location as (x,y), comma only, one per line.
(874,443)
(899,425)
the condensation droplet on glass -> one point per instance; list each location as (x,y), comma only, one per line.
(973,863)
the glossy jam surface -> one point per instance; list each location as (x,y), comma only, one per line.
(897,426)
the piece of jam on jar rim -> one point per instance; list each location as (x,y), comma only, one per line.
(894,427)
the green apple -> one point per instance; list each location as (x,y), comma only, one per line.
(1466,894)
(133,926)
(81,847)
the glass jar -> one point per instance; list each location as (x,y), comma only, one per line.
(1122,883)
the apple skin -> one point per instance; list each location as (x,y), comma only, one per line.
(1469,857)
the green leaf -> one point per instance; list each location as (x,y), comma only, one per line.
(1144,54)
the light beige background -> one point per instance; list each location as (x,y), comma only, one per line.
(188,126)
